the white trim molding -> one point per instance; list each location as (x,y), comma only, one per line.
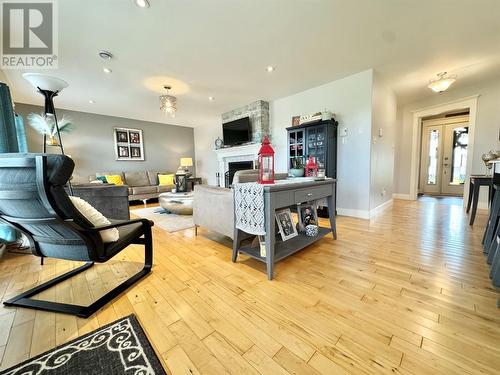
(235,154)
(361,214)
(469,103)
(379,209)
(405,197)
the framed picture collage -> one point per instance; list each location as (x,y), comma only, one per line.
(129,144)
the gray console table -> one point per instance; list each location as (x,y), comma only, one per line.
(279,196)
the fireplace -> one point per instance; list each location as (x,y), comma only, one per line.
(234,167)
(246,154)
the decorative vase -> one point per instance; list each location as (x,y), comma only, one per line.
(311,230)
(297,172)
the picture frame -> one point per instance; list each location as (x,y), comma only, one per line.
(307,215)
(123,151)
(286,225)
(129,144)
(121,136)
(135,152)
(295,120)
(135,137)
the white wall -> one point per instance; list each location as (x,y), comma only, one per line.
(204,145)
(350,99)
(383,147)
(486,131)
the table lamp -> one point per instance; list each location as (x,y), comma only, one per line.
(185,164)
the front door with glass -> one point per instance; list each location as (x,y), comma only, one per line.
(444,156)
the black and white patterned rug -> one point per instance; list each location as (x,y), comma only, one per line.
(120,347)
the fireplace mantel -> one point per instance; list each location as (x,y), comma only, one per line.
(234,154)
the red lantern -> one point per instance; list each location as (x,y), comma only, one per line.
(266,162)
(311,168)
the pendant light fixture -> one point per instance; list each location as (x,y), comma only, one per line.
(442,83)
(168,103)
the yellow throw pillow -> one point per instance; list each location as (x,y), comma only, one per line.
(166,179)
(114,179)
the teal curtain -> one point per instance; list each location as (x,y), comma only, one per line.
(12,139)
(22,143)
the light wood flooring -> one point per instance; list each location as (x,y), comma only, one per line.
(407,292)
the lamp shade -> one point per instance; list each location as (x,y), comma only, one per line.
(186,162)
(45,82)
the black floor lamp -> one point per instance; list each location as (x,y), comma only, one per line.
(49,87)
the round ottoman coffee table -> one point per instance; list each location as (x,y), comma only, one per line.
(177,203)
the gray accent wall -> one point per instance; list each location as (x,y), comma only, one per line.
(91,143)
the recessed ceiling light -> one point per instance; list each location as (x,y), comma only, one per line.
(211,98)
(91,102)
(270,68)
(142,3)
(107,70)
(105,55)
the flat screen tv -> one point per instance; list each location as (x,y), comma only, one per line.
(237,132)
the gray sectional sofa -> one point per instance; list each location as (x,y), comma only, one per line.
(141,185)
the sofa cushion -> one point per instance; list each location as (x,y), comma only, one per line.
(143,190)
(137,178)
(164,188)
(153,176)
(115,179)
(166,179)
(98,174)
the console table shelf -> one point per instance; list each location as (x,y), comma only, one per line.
(283,249)
(283,195)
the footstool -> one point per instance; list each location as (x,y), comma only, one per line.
(177,203)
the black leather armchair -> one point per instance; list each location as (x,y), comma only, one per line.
(34,201)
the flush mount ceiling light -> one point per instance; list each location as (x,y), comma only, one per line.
(107,70)
(168,103)
(270,68)
(442,83)
(91,102)
(142,3)
(105,55)
(211,98)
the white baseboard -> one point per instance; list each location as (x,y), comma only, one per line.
(481,205)
(362,214)
(401,196)
(381,208)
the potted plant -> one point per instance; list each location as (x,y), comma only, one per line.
(297,169)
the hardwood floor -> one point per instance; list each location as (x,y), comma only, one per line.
(407,292)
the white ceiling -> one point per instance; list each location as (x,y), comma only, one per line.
(221,48)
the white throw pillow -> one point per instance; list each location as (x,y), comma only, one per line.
(96,218)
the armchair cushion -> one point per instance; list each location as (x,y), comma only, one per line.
(96,218)
(126,234)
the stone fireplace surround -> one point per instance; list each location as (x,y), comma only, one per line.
(258,113)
